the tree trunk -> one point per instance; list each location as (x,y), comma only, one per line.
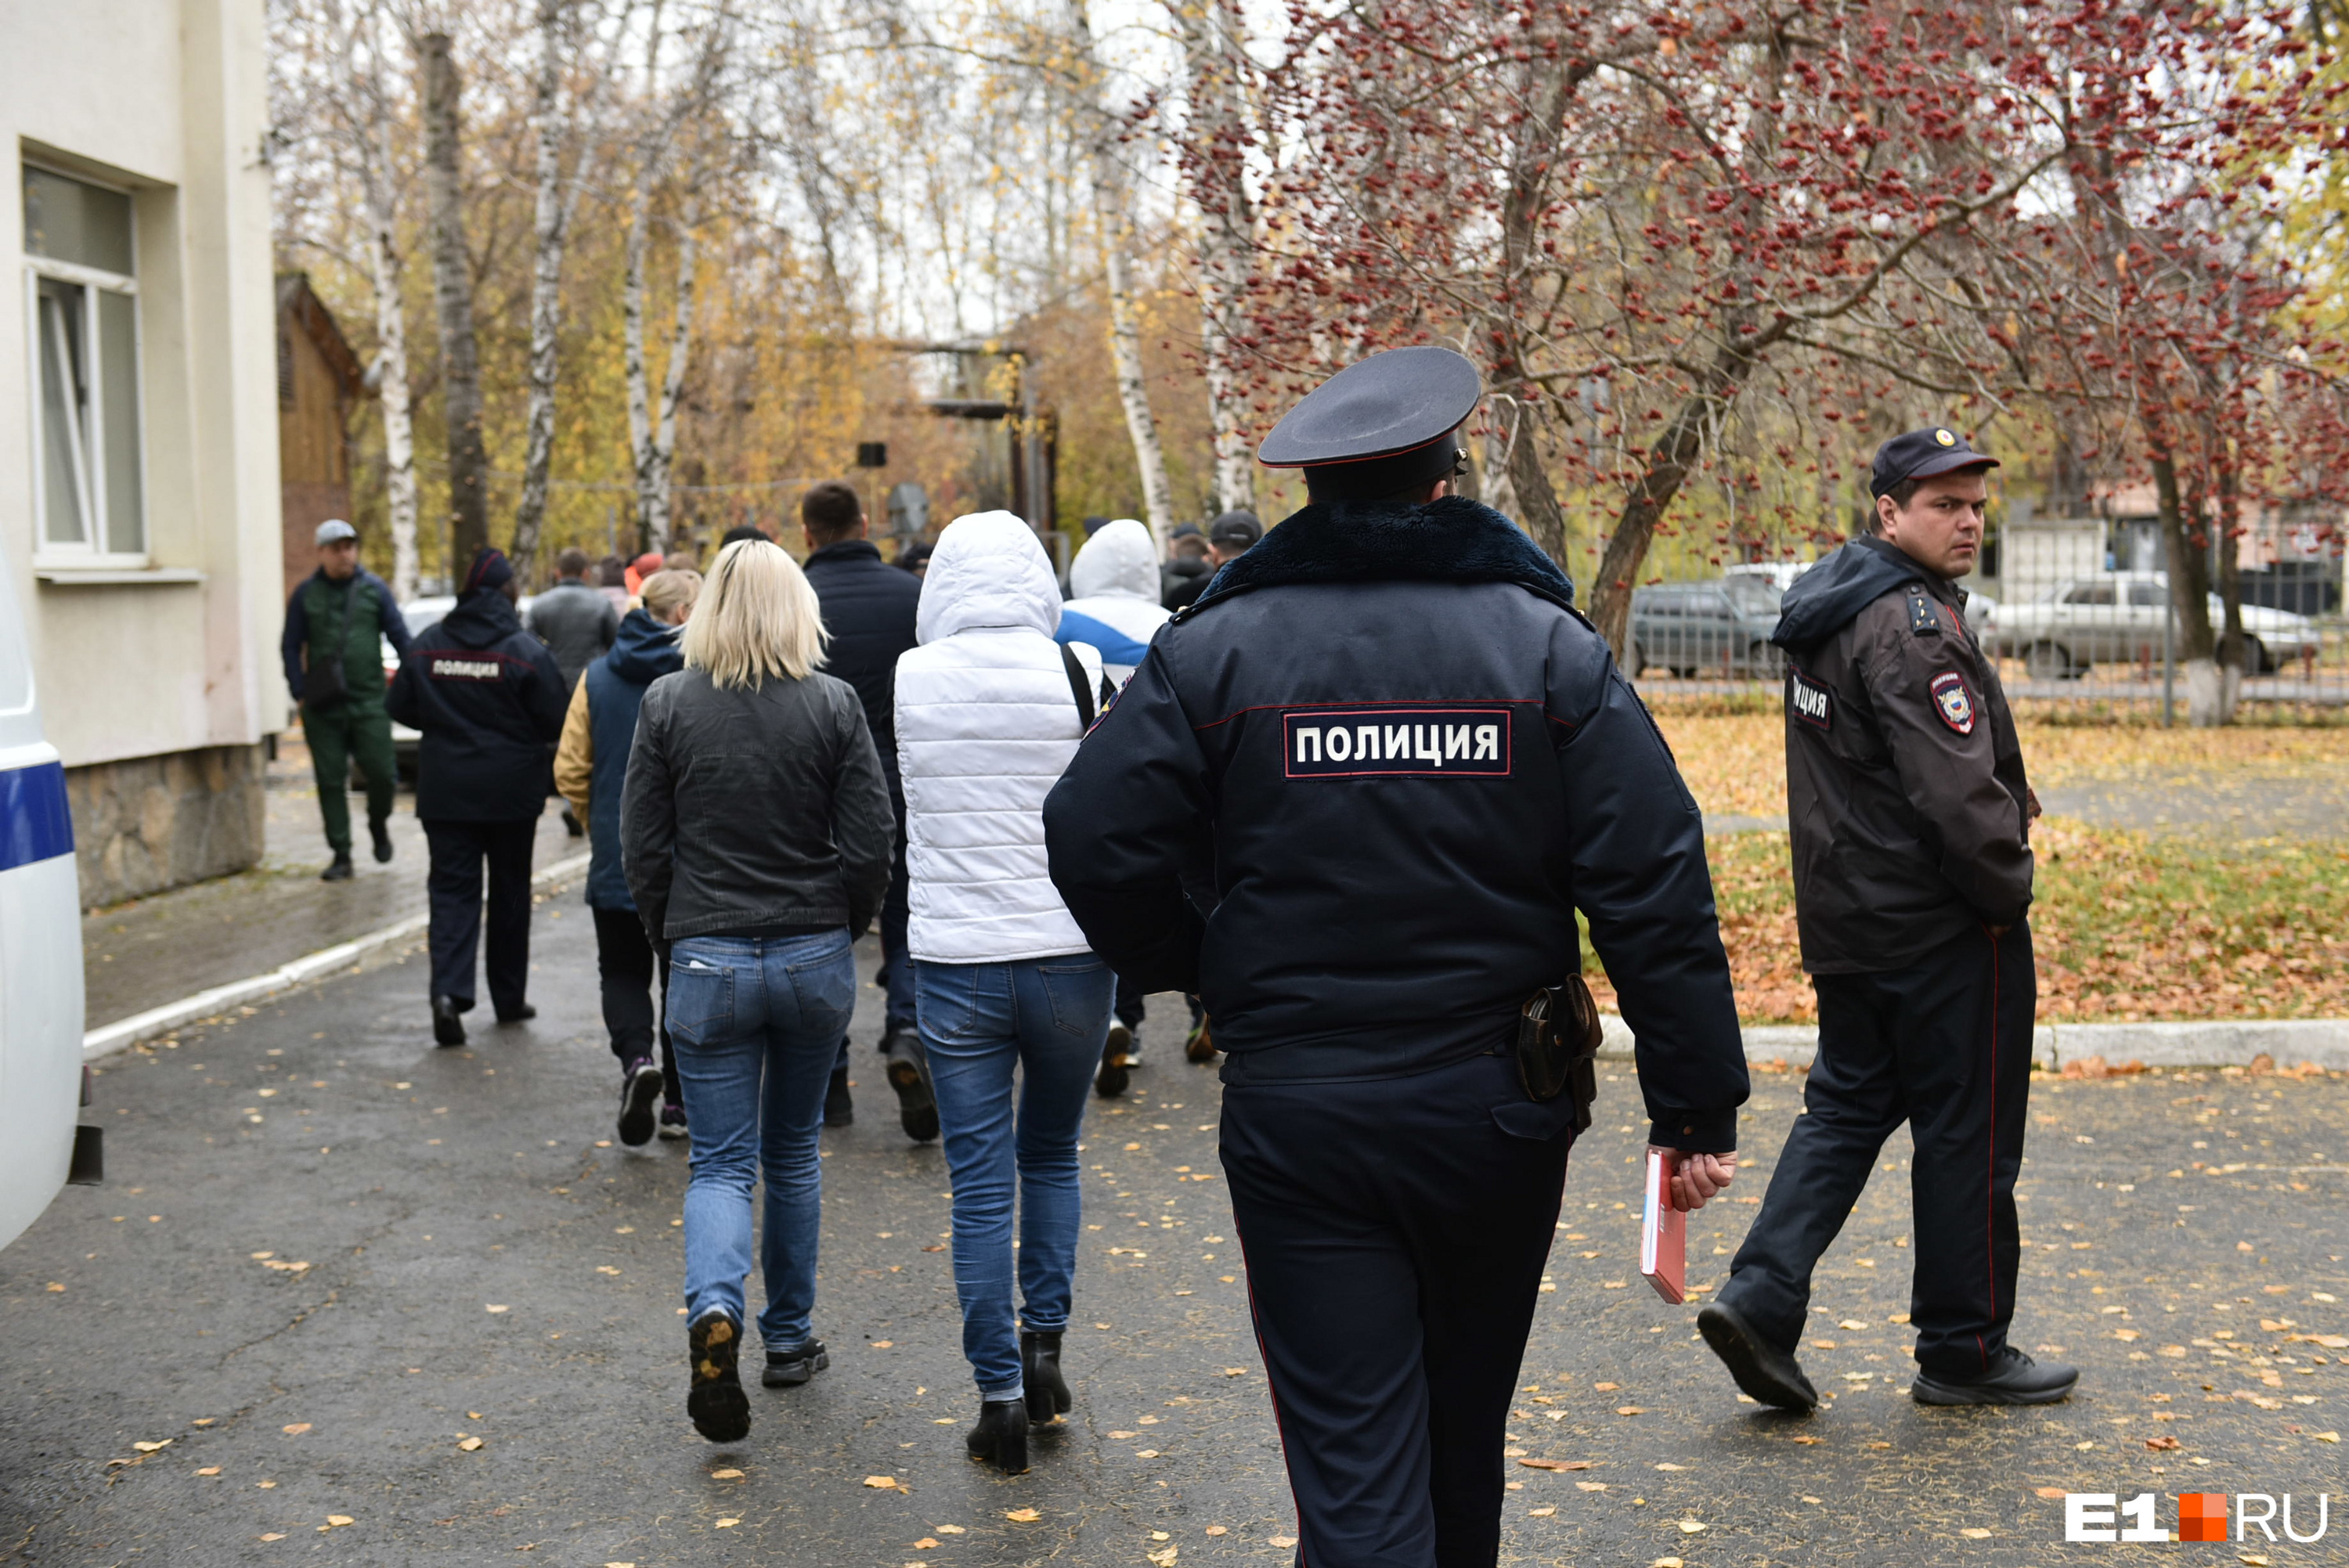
(391,371)
(2186,552)
(546,286)
(2234,648)
(1125,348)
(1226,244)
(453,298)
(1669,460)
(656,464)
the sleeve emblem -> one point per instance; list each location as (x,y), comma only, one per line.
(1812,704)
(1953,702)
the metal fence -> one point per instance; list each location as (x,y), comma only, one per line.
(2101,648)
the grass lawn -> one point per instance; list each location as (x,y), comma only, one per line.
(2128,925)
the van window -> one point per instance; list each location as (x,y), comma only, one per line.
(2149,595)
(2090,593)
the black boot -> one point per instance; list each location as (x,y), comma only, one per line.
(448,1021)
(720,1410)
(1000,1439)
(839,1106)
(1039,1370)
(1771,1375)
(381,834)
(1109,1081)
(340,871)
(918,1111)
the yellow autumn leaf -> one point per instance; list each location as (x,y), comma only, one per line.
(881,1482)
(468,1445)
(1022,1515)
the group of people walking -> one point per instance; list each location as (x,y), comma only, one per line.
(1353,796)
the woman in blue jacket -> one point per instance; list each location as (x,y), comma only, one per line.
(590,764)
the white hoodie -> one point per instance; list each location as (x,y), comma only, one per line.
(986,724)
(1116,608)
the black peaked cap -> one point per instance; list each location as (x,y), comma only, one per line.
(1922,455)
(1392,402)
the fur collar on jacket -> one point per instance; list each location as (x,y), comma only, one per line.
(1449,540)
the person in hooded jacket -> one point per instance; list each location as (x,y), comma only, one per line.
(989,710)
(591,765)
(489,699)
(1115,609)
(1910,816)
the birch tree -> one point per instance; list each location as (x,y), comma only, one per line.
(453,295)
(1215,142)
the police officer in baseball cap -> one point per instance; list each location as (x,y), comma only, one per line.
(1354,797)
(1911,826)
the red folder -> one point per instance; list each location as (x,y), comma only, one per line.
(1663,1234)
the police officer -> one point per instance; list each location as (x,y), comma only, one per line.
(1912,822)
(490,700)
(1402,762)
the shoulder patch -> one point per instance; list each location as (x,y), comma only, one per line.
(1809,701)
(1391,742)
(1924,618)
(1953,702)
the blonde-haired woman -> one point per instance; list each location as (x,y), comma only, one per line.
(756,831)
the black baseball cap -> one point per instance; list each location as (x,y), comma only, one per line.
(1921,455)
(1382,425)
(1240,528)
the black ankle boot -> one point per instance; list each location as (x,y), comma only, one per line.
(1040,1368)
(720,1410)
(1000,1439)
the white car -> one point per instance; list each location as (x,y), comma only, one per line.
(40,953)
(2121,617)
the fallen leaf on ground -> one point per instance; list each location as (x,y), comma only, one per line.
(1631,1409)
(1974,1533)
(728,1523)
(274,1535)
(1607,1387)
(1234,1371)
(2161,1444)
(2326,1437)
(1590,1486)
(336,1520)
(1022,1515)
(1556,1464)
(1539,1513)
(925,1543)
(489,1308)
(881,1482)
(2051,1491)
(297,1429)
(1163,1557)
(1691,1526)
(728,1474)
(1806,1439)
(209,1469)
(1215,1530)
(1284,1542)
(947,1529)
(152,1448)
(468,1445)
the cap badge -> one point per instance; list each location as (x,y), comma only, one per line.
(1946,438)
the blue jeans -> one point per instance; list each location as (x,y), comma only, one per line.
(1048,1019)
(753,1021)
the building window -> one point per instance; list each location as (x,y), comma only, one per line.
(81,299)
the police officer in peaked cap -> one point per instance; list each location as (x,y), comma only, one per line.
(1911,825)
(1407,762)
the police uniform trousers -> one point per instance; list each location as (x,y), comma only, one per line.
(1943,1044)
(1394,1235)
(461,853)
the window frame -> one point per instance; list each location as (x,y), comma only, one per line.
(91,553)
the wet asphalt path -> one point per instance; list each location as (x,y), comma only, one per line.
(471,1259)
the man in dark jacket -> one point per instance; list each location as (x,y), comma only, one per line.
(576,622)
(1406,762)
(490,698)
(336,625)
(1911,826)
(868,608)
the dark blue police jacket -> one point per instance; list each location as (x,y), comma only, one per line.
(490,699)
(1393,762)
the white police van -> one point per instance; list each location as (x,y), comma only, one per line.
(40,952)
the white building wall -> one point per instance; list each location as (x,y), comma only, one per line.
(166,97)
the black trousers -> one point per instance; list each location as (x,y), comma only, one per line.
(628,968)
(1127,1008)
(1945,1046)
(1394,1235)
(462,852)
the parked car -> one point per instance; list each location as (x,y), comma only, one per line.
(1721,627)
(41,1079)
(2120,618)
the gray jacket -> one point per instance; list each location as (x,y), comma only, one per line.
(577,623)
(745,809)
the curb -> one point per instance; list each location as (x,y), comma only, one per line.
(2218,1043)
(310,966)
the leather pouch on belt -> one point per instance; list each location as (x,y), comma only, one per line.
(1558,1046)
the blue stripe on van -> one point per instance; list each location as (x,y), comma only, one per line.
(34,822)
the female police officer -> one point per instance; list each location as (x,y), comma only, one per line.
(1408,762)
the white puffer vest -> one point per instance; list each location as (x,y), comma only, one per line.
(986,724)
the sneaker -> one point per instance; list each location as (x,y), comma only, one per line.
(2014,1378)
(839,1106)
(1110,1081)
(1770,1375)
(340,871)
(380,832)
(794,1364)
(640,1090)
(720,1410)
(672,1120)
(917,1109)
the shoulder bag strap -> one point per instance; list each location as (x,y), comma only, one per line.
(1079,688)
